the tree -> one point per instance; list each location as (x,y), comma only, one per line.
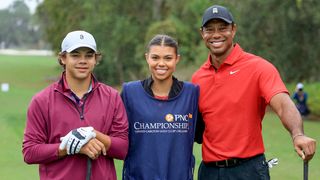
(16,28)
(283,32)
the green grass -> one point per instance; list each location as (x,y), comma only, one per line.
(278,144)
(27,75)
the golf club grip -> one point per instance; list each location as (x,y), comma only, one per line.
(305,170)
(88,169)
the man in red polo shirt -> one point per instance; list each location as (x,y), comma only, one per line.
(235,88)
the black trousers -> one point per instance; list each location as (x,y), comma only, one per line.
(255,168)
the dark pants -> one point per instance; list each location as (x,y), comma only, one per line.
(255,168)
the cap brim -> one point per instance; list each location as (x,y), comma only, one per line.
(224,19)
(79,46)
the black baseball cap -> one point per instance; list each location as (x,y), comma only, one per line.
(217,12)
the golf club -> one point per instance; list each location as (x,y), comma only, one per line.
(305,170)
(88,169)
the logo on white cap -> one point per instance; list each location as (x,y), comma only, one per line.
(214,10)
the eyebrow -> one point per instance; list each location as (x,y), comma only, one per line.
(163,55)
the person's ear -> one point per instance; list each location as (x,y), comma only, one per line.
(178,58)
(201,32)
(61,58)
(98,58)
(234,30)
(146,56)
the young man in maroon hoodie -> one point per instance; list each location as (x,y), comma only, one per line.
(76,126)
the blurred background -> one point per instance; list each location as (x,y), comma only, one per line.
(286,33)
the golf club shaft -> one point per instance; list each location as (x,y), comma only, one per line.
(88,169)
(305,170)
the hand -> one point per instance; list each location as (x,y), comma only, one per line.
(64,141)
(76,138)
(305,147)
(93,149)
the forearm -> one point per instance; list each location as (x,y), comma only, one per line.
(291,119)
(118,132)
(118,148)
(288,113)
(35,148)
(40,153)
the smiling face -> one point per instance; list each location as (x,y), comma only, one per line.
(79,63)
(218,37)
(162,61)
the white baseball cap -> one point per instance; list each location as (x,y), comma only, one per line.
(76,39)
(299,86)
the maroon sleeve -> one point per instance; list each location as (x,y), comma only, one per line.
(119,131)
(34,147)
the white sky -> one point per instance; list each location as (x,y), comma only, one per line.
(32,4)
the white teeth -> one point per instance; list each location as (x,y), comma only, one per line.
(161,71)
(216,44)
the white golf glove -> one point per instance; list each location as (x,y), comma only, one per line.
(76,138)
(273,162)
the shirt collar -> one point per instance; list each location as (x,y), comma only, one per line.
(66,86)
(231,58)
(174,91)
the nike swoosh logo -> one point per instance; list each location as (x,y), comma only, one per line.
(233,72)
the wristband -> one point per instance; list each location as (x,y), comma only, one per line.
(295,136)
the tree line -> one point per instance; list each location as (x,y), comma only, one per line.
(284,32)
(19,28)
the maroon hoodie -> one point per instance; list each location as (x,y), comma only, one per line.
(53,113)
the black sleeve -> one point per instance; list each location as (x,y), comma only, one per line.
(199,129)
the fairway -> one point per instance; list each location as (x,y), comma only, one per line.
(27,75)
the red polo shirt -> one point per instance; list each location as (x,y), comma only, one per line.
(232,101)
